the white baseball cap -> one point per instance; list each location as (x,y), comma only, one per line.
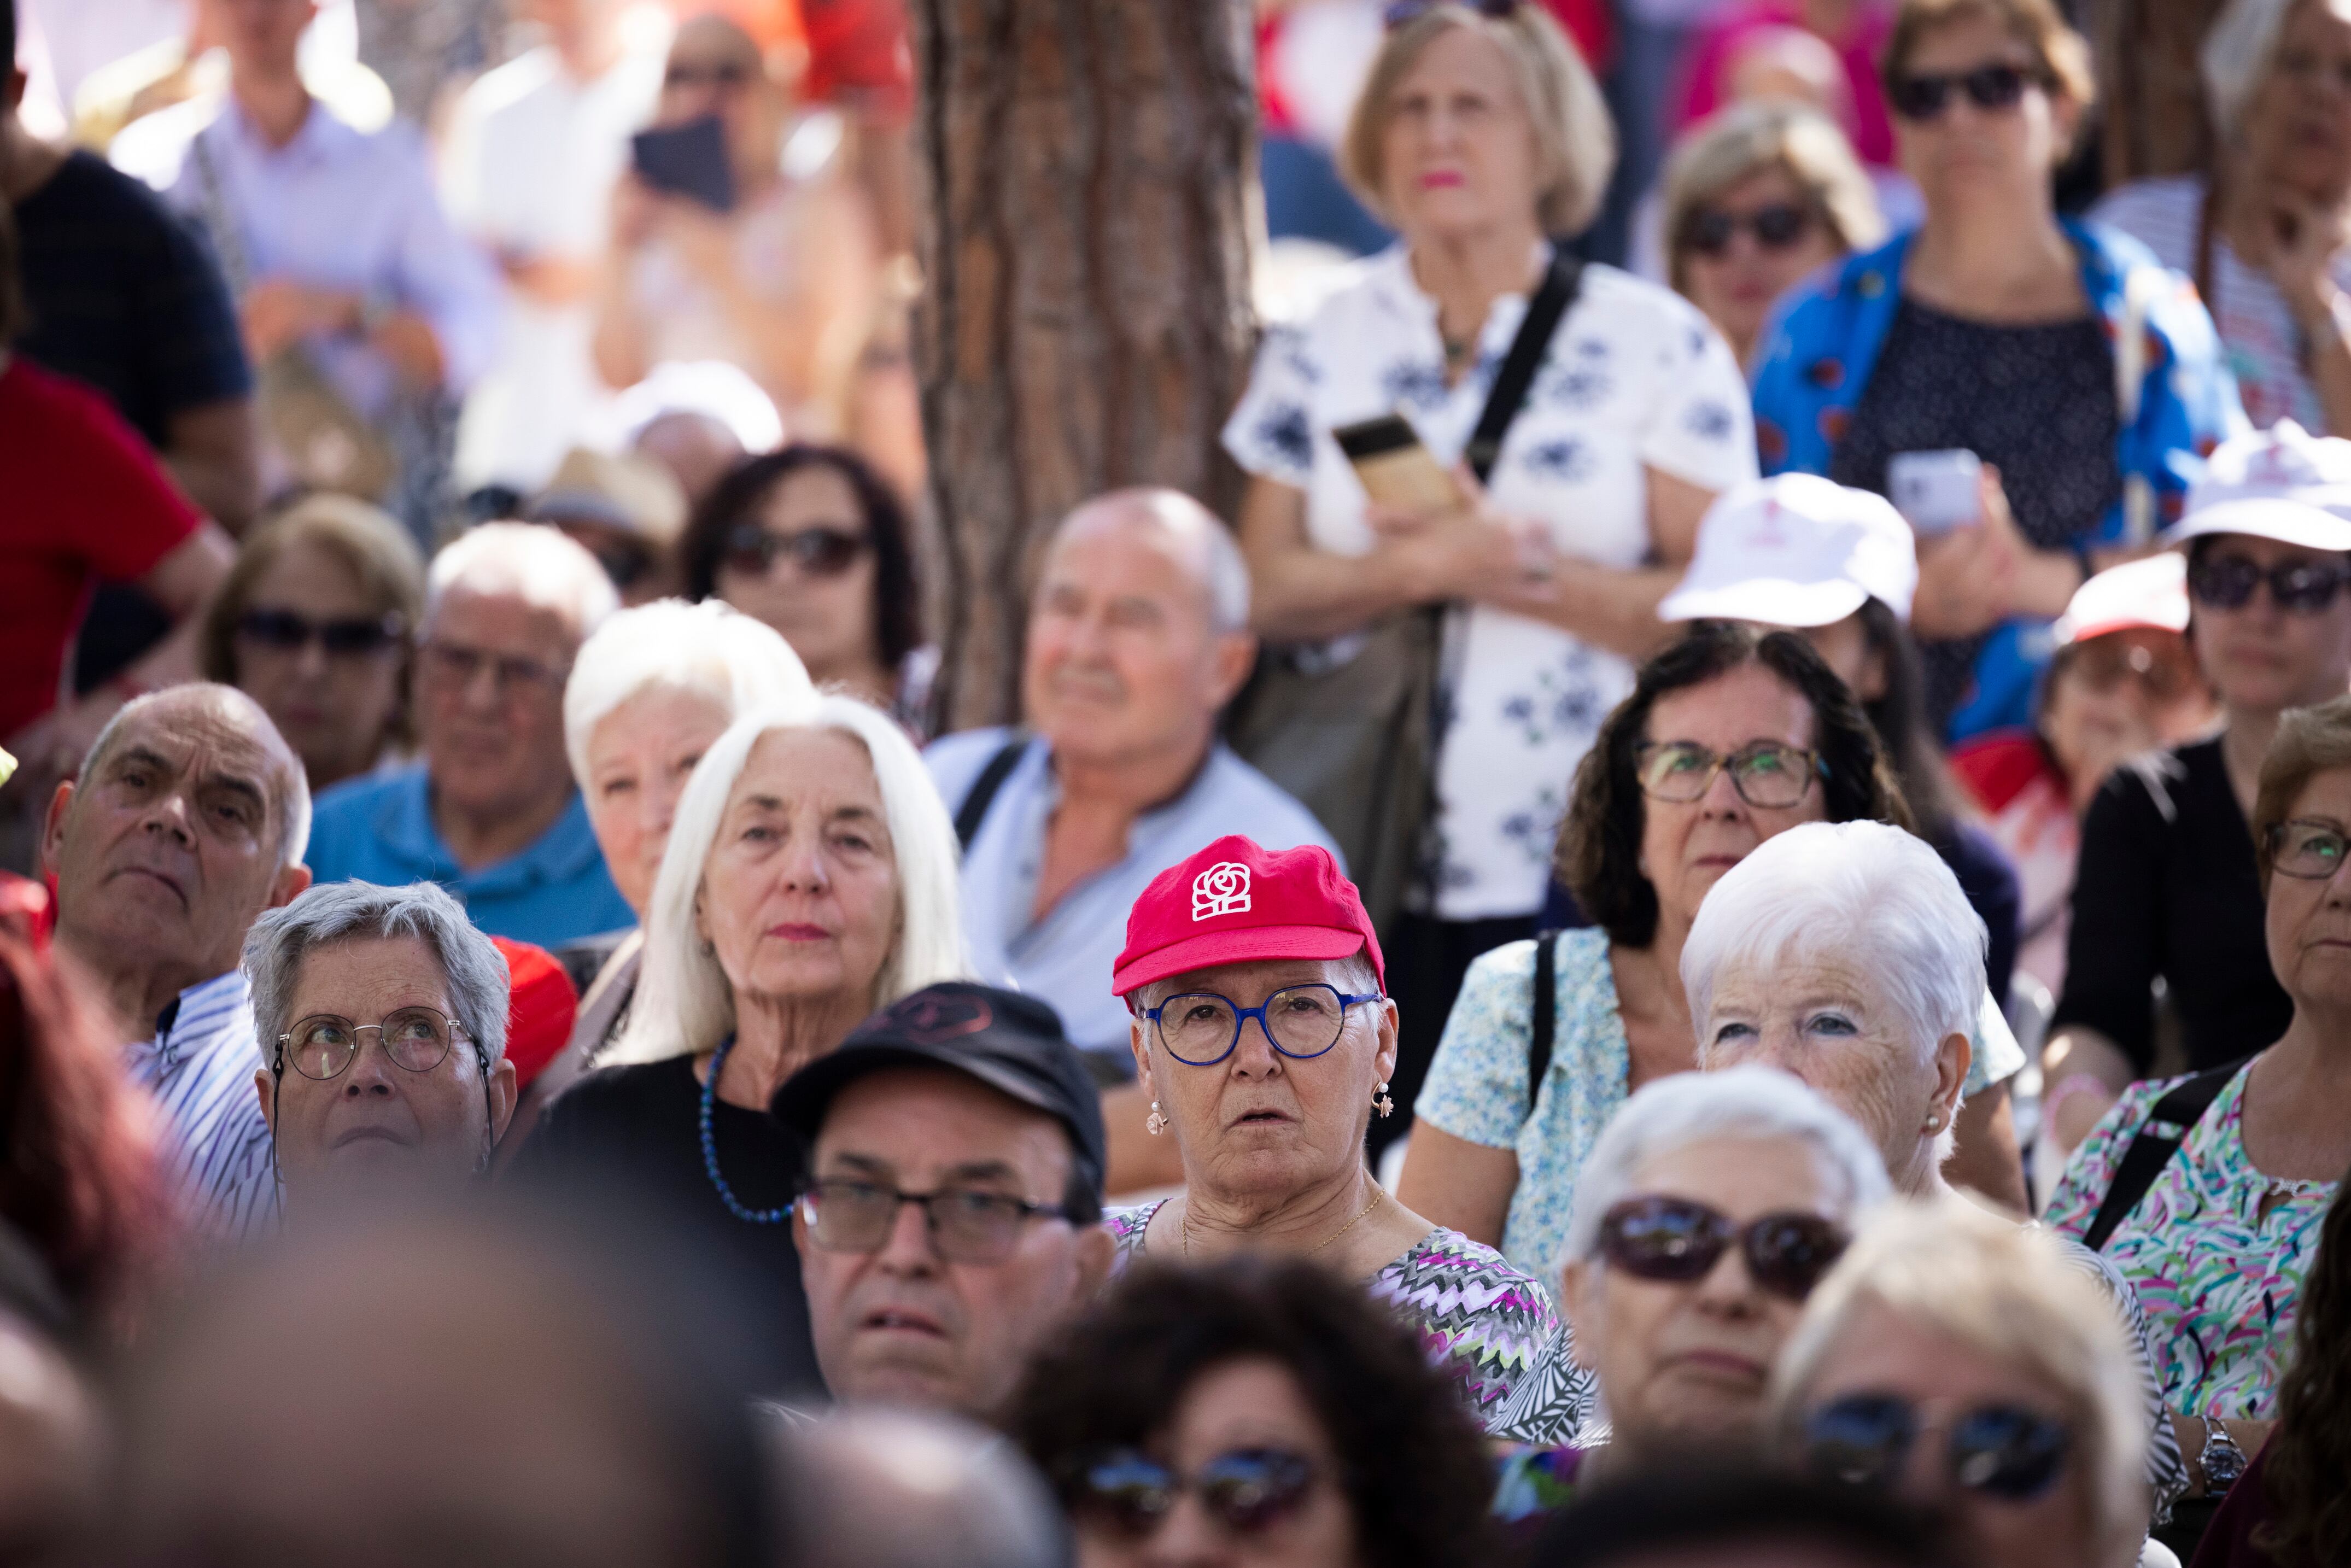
(2281,484)
(1796,550)
(2149,591)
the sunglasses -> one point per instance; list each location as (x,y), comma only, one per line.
(2003,1452)
(2228,582)
(817,553)
(728,74)
(285,632)
(1404,11)
(1776,227)
(1246,1491)
(2104,664)
(1925,97)
(1676,1241)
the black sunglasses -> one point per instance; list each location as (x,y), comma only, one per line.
(1677,1241)
(1919,96)
(289,632)
(1404,11)
(1776,227)
(1245,1490)
(2228,582)
(727,73)
(819,552)
(2000,1450)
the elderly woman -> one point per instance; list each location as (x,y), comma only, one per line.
(1994,328)
(1730,736)
(810,879)
(382,1015)
(1265,1043)
(1956,1359)
(1253,1412)
(1756,200)
(1477,132)
(2264,238)
(1708,1210)
(316,623)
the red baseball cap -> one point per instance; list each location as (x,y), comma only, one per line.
(1233,903)
(542,1006)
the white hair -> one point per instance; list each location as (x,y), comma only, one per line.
(293,797)
(1224,571)
(685,1004)
(538,564)
(738,662)
(336,912)
(2238,50)
(1691,1108)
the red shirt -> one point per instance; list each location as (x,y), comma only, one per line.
(81,499)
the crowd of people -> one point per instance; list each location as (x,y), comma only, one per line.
(1711,928)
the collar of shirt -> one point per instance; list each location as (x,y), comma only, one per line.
(322,138)
(1037,788)
(404,824)
(1393,281)
(195,1018)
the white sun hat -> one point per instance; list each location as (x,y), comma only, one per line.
(1796,550)
(2151,591)
(2281,484)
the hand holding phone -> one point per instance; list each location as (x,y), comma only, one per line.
(1396,469)
(688,160)
(1935,491)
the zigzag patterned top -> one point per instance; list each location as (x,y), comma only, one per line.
(1473,1311)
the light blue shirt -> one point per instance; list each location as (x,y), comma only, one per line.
(379,828)
(199,1067)
(1066,959)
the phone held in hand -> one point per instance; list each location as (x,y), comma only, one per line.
(1396,469)
(688,160)
(1935,491)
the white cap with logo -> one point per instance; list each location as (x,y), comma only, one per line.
(1796,550)
(2281,484)
(2151,591)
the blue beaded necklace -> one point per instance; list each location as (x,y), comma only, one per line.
(710,1149)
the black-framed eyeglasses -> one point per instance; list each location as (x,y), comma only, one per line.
(289,631)
(819,552)
(1675,1241)
(1201,1029)
(2311,851)
(456,667)
(967,1225)
(324,1045)
(1769,774)
(1776,227)
(1998,1450)
(1126,1492)
(2228,582)
(1922,96)
(1403,11)
(720,74)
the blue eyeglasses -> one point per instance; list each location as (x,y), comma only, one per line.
(1200,1028)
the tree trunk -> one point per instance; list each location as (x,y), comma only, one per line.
(2150,92)
(1086,168)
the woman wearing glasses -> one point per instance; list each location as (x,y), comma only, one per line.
(2082,375)
(812,541)
(315,622)
(1708,1210)
(1956,1360)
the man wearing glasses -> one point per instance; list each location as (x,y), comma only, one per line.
(951,1220)
(490,812)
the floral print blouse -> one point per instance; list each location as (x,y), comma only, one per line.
(2218,1279)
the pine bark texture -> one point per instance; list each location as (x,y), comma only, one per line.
(1087,170)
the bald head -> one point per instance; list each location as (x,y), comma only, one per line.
(888,1488)
(209,705)
(1188,532)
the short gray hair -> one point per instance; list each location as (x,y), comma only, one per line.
(538,564)
(738,662)
(293,799)
(478,981)
(1224,569)
(1691,1108)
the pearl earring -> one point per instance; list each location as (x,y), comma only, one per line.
(1934,1121)
(1154,1123)
(1380,1100)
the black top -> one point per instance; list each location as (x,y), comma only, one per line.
(125,296)
(2037,403)
(639,1127)
(2167,887)
(1990,882)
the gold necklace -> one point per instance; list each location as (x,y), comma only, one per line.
(1184,1223)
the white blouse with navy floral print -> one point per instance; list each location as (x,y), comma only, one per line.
(1635,379)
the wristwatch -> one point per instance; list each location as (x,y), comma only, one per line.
(2223,1461)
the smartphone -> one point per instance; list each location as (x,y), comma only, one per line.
(688,160)
(1935,491)
(1397,470)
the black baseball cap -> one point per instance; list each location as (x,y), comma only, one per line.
(1012,1043)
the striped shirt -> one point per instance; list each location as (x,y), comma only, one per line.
(199,1067)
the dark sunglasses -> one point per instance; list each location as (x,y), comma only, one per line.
(1246,1491)
(729,73)
(1404,11)
(1677,1241)
(288,632)
(819,552)
(2104,664)
(1925,97)
(1999,1451)
(1776,227)
(2228,582)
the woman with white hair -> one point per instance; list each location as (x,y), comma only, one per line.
(809,879)
(1709,1209)
(1954,1359)
(2266,235)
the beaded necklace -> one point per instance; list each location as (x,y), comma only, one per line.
(735,1205)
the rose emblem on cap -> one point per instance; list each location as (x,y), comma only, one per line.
(1235,902)
(1222,889)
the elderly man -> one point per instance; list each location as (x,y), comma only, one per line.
(1137,636)
(189,820)
(966,1105)
(382,1019)
(490,813)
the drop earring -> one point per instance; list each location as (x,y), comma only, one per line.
(1380,1100)
(1154,1123)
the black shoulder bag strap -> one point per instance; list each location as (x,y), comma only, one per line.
(1545,1016)
(2150,1150)
(982,794)
(1561,283)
